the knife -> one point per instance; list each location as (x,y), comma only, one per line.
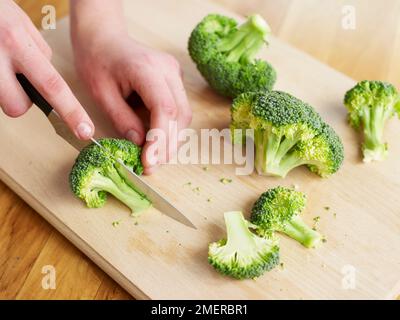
(158,201)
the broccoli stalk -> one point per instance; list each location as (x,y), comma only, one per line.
(243,254)
(279,209)
(373,121)
(243,44)
(297,229)
(272,154)
(116,184)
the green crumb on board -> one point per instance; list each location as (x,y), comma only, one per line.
(209,200)
(116,223)
(282,265)
(326,208)
(136,223)
(295,186)
(205,168)
(188,184)
(334,214)
(225,180)
(197,189)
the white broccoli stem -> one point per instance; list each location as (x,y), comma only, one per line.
(374,120)
(116,186)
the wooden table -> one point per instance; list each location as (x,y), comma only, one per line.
(28,243)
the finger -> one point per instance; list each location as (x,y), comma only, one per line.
(157,97)
(124,119)
(34,65)
(13,99)
(36,36)
(177,89)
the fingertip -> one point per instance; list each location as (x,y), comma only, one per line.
(84,130)
(15,112)
(149,170)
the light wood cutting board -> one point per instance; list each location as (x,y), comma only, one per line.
(159,258)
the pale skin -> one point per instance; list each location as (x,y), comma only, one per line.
(112,65)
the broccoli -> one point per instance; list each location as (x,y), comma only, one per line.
(97,172)
(279,209)
(225,54)
(370,104)
(287,133)
(243,254)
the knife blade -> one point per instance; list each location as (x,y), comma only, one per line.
(158,201)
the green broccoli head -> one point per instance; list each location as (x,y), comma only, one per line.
(225,54)
(243,254)
(279,209)
(287,133)
(370,104)
(96,172)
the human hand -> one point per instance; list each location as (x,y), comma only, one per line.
(113,65)
(23,50)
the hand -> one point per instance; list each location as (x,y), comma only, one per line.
(113,65)
(23,50)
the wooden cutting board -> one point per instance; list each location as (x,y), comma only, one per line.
(159,258)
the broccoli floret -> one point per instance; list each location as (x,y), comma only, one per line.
(225,54)
(96,173)
(279,209)
(370,104)
(287,133)
(243,254)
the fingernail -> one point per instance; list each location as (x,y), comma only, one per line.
(84,130)
(133,136)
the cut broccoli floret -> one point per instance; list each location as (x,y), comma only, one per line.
(225,54)
(96,172)
(279,209)
(243,254)
(287,133)
(370,104)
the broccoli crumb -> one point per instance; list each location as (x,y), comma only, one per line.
(196,190)
(295,186)
(324,240)
(225,180)
(334,215)
(136,223)
(166,231)
(208,199)
(116,223)
(205,168)
(326,208)
(282,265)
(188,184)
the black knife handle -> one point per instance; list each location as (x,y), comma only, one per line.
(34,95)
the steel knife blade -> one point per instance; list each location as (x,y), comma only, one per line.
(158,201)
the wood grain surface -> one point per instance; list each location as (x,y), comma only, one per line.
(27,242)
